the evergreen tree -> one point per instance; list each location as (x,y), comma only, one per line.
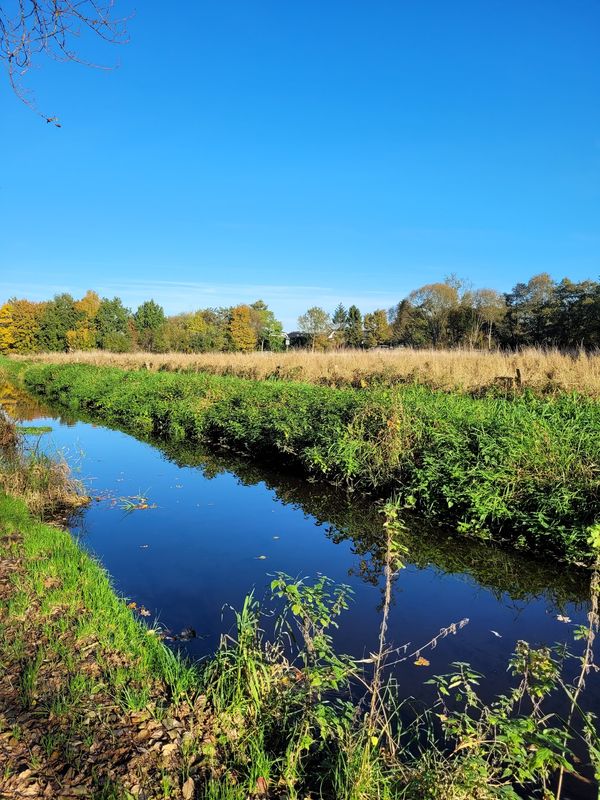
(377,329)
(354,329)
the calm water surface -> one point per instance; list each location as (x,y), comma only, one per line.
(200,550)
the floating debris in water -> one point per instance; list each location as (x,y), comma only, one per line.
(499,635)
(187,634)
(563,618)
(421,662)
(143,546)
(277,537)
(139,609)
(136,502)
(261,558)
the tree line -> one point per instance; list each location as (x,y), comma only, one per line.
(541,312)
(64,324)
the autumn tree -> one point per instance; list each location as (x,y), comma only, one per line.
(84,335)
(436,301)
(489,308)
(26,325)
(6,328)
(241,330)
(316,323)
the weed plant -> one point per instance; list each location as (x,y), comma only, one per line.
(296,719)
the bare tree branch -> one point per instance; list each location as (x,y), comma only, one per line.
(30,28)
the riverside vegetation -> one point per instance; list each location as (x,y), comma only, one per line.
(519,469)
(544,371)
(94,704)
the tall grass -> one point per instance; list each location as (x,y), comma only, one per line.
(523,470)
(44,483)
(545,371)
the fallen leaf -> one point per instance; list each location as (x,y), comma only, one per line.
(144,612)
(421,662)
(187,789)
(261,787)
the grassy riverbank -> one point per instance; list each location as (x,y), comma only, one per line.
(93,704)
(522,470)
(80,675)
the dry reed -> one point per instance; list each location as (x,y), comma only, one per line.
(543,370)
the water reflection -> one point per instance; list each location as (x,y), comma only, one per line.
(222,526)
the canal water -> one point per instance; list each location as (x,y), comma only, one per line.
(216,527)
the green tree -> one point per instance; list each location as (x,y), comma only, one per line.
(112,323)
(354,334)
(532,307)
(269,331)
(377,328)
(58,316)
(149,322)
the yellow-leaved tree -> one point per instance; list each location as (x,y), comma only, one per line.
(84,335)
(242,332)
(7,338)
(26,325)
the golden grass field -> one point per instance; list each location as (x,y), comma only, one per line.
(545,371)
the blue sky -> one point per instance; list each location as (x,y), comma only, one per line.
(309,153)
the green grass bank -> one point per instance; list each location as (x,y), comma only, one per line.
(522,470)
(84,685)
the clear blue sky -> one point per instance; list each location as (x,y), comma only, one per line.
(308,152)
